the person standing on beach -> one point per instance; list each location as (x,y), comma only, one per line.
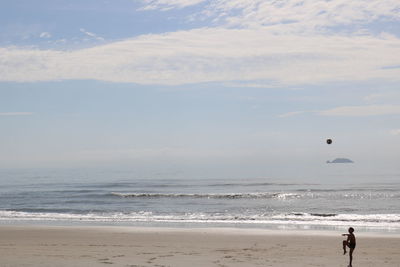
(351,243)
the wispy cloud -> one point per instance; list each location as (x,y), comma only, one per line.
(293,113)
(310,13)
(91,34)
(361,111)
(395,132)
(294,15)
(350,111)
(387,97)
(45,35)
(168,4)
(16,113)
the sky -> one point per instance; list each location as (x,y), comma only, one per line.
(197,87)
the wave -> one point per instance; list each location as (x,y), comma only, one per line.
(366,190)
(261,195)
(211,195)
(254,184)
(337,218)
(383,221)
(315,214)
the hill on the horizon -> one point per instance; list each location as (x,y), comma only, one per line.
(340,160)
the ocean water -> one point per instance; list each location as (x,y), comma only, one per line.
(124,198)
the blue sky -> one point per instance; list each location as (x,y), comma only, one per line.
(199,87)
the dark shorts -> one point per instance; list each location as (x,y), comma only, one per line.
(352,246)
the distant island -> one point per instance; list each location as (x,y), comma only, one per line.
(340,160)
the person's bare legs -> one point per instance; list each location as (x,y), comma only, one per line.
(351,256)
(344,247)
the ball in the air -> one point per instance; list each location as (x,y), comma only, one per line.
(329,141)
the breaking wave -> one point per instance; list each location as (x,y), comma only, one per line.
(213,195)
(383,221)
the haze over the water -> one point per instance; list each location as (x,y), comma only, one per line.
(201,88)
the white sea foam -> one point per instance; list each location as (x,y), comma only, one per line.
(209,195)
(383,221)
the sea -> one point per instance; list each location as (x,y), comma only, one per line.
(367,202)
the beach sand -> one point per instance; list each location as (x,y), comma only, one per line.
(58,246)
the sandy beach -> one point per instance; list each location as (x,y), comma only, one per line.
(130,246)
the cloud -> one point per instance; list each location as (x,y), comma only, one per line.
(304,13)
(361,111)
(168,4)
(91,34)
(45,35)
(211,55)
(395,132)
(15,113)
(293,113)
(277,42)
(386,97)
(294,15)
(351,111)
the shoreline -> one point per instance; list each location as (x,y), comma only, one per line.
(40,245)
(195,229)
(292,228)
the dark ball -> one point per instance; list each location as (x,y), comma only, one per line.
(329,141)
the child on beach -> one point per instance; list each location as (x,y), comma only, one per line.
(351,243)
